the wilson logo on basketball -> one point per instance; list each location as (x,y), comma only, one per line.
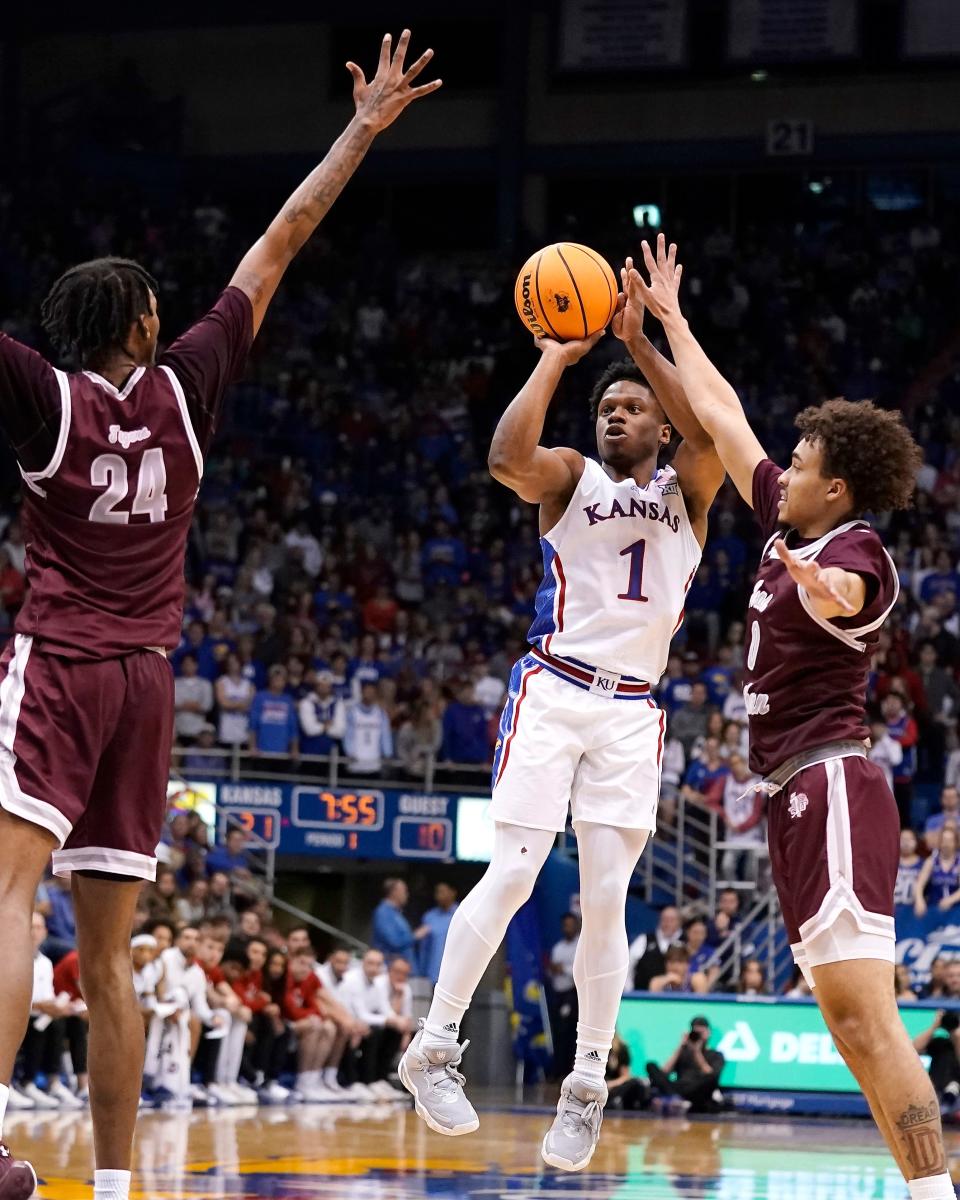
(528,314)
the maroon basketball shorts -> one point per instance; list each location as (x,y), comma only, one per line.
(834,837)
(85,753)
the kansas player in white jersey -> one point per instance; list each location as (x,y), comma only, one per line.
(580,731)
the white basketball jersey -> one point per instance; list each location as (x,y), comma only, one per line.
(616,567)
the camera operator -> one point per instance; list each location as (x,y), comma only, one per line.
(944,1054)
(690,1077)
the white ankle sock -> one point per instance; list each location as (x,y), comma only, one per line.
(446,1013)
(330,1076)
(4,1096)
(111,1185)
(593,1049)
(934,1187)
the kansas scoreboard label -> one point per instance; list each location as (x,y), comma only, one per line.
(354,822)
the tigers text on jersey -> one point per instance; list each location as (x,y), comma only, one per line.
(617,567)
(806,677)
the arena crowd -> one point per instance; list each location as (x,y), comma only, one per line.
(356,583)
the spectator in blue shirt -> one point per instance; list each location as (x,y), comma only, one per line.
(231,856)
(444,557)
(705,772)
(196,642)
(465,726)
(433,929)
(949,812)
(201,758)
(274,728)
(719,677)
(676,688)
(725,540)
(61,923)
(943,578)
(392,934)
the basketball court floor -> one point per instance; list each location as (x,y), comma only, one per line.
(383,1152)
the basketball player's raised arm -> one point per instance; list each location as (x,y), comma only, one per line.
(516,458)
(699,469)
(378,104)
(713,400)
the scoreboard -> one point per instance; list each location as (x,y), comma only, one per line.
(296,819)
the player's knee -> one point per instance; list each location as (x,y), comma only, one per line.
(862,1035)
(515,880)
(604,899)
(106,979)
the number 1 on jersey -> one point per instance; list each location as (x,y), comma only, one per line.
(635,587)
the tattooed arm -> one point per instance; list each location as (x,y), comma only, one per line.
(378,104)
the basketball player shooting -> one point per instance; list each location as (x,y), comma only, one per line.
(111,458)
(824,587)
(621,541)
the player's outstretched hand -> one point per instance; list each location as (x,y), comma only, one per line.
(662,295)
(816,580)
(568,352)
(627,323)
(389,92)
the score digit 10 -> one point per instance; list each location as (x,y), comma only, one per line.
(416,838)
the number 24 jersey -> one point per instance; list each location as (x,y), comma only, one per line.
(110,481)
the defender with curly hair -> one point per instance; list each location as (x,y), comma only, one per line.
(824,587)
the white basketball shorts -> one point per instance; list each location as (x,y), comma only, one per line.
(563,745)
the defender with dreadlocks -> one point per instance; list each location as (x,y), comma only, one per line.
(621,540)
(111,457)
(824,587)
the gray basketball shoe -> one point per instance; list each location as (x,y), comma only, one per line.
(573,1136)
(428,1070)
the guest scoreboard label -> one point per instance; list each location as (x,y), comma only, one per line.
(357,822)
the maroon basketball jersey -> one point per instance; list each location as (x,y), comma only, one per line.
(106,518)
(806,678)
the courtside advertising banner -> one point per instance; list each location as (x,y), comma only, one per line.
(778,1045)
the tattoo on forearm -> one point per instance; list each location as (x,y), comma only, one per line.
(315,196)
(919,1127)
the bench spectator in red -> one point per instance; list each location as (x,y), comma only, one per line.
(66,982)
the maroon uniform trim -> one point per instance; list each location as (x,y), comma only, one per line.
(13,797)
(834,836)
(93,739)
(805,677)
(32,478)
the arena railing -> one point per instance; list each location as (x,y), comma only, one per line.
(239,765)
(759,933)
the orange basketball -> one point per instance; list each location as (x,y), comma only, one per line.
(565,291)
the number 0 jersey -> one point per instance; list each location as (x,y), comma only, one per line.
(111,477)
(616,567)
(806,677)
